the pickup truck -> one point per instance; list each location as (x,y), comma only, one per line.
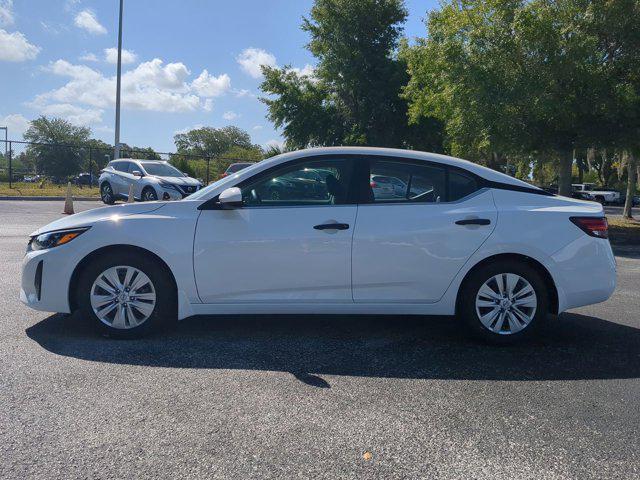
(588,191)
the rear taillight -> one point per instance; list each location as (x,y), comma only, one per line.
(593,226)
(374,184)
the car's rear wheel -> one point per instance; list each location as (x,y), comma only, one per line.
(106,194)
(504,302)
(149,195)
(126,295)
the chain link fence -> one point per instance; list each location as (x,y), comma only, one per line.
(28,163)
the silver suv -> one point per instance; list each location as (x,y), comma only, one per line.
(151,180)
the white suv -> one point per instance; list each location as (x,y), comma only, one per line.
(151,180)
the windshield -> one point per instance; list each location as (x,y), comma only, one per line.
(161,170)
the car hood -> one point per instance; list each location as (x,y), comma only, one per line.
(89,217)
(184,181)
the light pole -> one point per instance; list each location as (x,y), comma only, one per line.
(119,70)
(6,130)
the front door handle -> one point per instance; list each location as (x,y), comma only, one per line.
(332,226)
(474,221)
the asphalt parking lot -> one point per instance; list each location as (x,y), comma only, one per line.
(308,396)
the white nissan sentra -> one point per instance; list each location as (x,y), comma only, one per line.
(307,232)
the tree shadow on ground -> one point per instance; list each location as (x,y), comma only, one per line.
(572,347)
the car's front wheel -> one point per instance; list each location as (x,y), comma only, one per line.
(504,302)
(126,294)
(106,194)
(149,195)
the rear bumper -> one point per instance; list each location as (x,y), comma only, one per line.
(585,272)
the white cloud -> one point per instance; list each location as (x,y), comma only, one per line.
(14,47)
(111,56)
(6,12)
(73,113)
(88,21)
(275,143)
(207,85)
(151,86)
(89,57)
(242,93)
(16,124)
(230,115)
(306,71)
(252,59)
(258,127)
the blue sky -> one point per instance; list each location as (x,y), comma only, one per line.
(188,63)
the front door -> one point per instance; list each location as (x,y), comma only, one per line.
(409,245)
(289,242)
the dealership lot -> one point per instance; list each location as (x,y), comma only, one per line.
(284,396)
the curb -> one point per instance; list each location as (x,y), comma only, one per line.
(42,199)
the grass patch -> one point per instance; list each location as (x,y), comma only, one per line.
(23,189)
(624,232)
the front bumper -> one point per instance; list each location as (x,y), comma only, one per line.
(165,193)
(45,280)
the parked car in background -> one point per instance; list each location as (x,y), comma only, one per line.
(235,168)
(151,180)
(32,178)
(589,192)
(489,250)
(85,179)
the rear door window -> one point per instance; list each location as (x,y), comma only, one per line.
(460,185)
(403,182)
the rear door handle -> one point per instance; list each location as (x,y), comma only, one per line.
(474,221)
(332,226)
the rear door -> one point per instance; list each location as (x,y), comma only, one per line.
(119,185)
(408,247)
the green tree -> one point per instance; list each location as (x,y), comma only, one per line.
(212,142)
(56,160)
(352,97)
(512,77)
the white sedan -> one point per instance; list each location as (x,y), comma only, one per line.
(463,240)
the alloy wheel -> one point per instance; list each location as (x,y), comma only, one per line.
(107,193)
(506,303)
(123,297)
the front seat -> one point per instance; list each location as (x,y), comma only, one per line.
(335,189)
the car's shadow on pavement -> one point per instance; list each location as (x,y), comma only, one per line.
(573,347)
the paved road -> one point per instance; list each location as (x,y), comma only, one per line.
(306,397)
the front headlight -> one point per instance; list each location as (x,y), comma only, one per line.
(54,239)
(169,186)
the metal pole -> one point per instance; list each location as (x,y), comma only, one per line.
(119,71)
(10,170)
(90,172)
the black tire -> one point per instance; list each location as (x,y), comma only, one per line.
(470,289)
(106,194)
(600,199)
(165,309)
(148,194)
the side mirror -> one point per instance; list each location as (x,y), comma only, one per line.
(185,174)
(136,173)
(231,198)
